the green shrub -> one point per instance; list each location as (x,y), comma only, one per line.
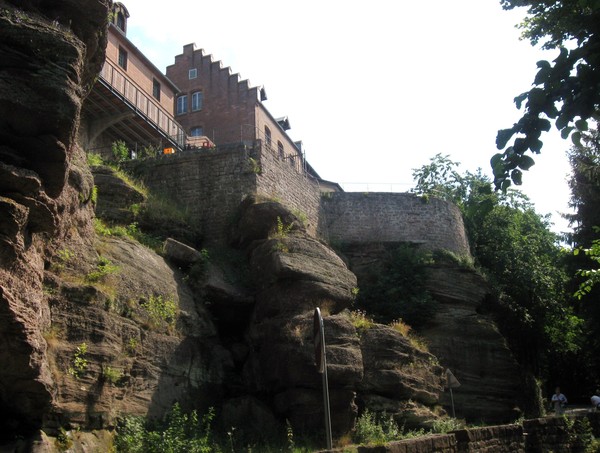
(63,442)
(104,267)
(111,375)
(397,289)
(80,363)
(94,159)
(373,429)
(445,425)
(120,151)
(161,310)
(181,433)
(360,320)
(63,257)
(447,257)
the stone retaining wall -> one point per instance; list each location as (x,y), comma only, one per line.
(211,185)
(541,435)
(352,217)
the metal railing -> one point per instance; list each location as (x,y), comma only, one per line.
(143,104)
(376,186)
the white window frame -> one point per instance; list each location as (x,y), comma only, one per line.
(197,100)
(182,104)
(192,73)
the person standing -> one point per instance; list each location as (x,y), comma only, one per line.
(595,400)
(559,402)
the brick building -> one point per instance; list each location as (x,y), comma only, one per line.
(217,103)
(132,99)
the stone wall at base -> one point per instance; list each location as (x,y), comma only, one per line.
(540,435)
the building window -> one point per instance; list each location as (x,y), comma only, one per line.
(181,104)
(197,101)
(156,89)
(193,73)
(196,131)
(267,137)
(121,21)
(280,150)
(122,58)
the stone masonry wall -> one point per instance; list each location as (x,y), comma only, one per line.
(283,179)
(210,184)
(392,217)
(541,435)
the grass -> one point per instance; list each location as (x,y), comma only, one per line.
(360,320)
(406,331)
(112,375)
(131,231)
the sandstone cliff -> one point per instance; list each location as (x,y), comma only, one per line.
(49,56)
(94,325)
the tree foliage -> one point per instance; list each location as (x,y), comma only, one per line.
(397,290)
(565,92)
(584,183)
(515,248)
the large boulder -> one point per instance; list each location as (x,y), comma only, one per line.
(396,369)
(257,220)
(295,274)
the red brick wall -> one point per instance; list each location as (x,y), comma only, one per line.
(228,110)
(232,111)
(137,70)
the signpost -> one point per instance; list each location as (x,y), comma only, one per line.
(451,383)
(321,362)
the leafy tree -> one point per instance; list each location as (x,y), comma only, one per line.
(592,276)
(565,91)
(515,248)
(439,178)
(585,188)
(397,290)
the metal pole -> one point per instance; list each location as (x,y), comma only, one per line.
(325,389)
(452,399)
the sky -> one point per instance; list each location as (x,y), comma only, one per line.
(373,89)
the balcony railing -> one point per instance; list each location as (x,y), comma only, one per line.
(143,104)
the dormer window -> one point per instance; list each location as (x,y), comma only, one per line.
(121,21)
(119,16)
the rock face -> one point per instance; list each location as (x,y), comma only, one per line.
(48,60)
(115,196)
(138,362)
(470,344)
(294,274)
(93,327)
(464,340)
(90,327)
